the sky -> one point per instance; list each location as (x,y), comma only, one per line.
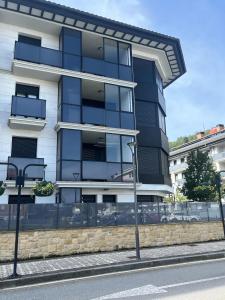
(196,101)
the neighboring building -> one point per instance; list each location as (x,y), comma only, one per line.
(75,89)
(214,142)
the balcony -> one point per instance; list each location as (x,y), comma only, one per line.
(178,168)
(103,171)
(32,173)
(46,56)
(27,113)
(59,59)
(219,156)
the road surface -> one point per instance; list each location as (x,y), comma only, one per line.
(202,280)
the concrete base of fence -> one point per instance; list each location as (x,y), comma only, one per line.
(47,243)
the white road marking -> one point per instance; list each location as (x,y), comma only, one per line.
(113,274)
(151,289)
(140,291)
(192,282)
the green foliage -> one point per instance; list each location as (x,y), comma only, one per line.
(177,197)
(200,177)
(184,139)
(44,189)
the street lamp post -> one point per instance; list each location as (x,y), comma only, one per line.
(132,146)
(20,179)
(218,184)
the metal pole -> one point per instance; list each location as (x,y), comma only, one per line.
(19,183)
(220,201)
(136,206)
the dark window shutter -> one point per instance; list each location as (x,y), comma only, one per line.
(24,147)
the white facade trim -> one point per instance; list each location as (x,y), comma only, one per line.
(23,66)
(87,127)
(26,123)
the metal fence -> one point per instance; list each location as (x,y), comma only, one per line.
(53,216)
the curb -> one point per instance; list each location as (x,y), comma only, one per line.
(107,269)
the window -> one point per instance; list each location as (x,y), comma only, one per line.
(70,88)
(124,54)
(182,160)
(159,81)
(126,151)
(93,146)
(69,195)
(109,198)
(126,98)
(175,162)
(24,199)
(112,97)
(29,40)
(71,143)
(24,147)
(162,121)
(27,91)
(89,198)
(113,148)
(111,54)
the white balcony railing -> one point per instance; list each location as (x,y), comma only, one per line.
(178,168)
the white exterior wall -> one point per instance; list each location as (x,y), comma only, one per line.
(47,138)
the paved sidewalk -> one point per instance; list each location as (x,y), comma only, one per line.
(78,262)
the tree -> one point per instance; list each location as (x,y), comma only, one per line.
(200,177)
(178,196)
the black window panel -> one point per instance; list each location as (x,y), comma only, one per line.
(27,91)
(24,199)
(145,198)
(94,153)
(71,144)
(24,147)
(109,198)
(70,90)
(70,41)
(146,114)
(89,198)
(29,40)
(111,51)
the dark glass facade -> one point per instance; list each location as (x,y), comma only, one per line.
(153,148)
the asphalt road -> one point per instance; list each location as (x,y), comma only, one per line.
(205,280)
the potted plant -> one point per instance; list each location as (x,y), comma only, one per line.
(2,188)
(44,189)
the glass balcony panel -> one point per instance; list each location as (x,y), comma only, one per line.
(50,57)
(27,52)
(92,65)
(93,170)
(28,107)
(125,73)
(70,170)
(93,115)
(111,70)
(31,172)
(127,120)
(71,62)
(100,67)
(70,113)
(112,119)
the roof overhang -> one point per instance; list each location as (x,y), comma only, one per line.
(164,48)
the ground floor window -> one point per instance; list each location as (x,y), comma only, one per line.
(24,199)
(89,198)
(109,198)
(149,198)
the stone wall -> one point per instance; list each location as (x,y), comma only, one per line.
(44,243)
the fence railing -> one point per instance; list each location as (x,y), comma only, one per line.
(53,216)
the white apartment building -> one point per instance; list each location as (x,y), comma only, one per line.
(75,90)
(214,142)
